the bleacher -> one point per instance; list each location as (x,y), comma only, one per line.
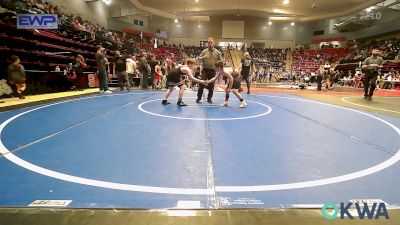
(37,48)
(267,57)
(42,51)
(309,60)
(163,52)
(391,55)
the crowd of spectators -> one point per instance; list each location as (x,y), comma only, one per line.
(267,61)
(304,61)
(386,80)
(72,26)
(266,57)
(192,51)
(72,31)
(309,60)
(79,29)
(390,49)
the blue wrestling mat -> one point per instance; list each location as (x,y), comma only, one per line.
(128,151)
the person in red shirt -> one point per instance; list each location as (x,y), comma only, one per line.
(157,76)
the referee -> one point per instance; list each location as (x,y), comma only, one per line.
(208,57)
(371,65)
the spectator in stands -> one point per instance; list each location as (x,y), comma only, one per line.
(387,80)
(193,51)
(270,74)
(260,74)
(39,4)
(274,58)
(16,76)
(120,68)
(390,50)
(102,64)
(56,10)
(371,65)
(69,72)
(396,75)
(78,68)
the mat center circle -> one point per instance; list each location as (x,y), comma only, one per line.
(205,111)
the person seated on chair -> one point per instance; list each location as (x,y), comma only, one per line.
(17,76)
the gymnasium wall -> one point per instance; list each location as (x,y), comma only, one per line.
(233,29)
(304,31)
(389,23)
(386,27)
(256,30)
(127,15)
(156,22)
(189,29)
(119,25)
(94,11)
(301,33)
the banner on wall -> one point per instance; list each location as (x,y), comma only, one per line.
(93,80)
(37,21)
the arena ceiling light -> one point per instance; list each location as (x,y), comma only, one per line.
(369,9)
(285,2)
(176,20)
(292,24)
(107,2)
(280,18)
(270,23)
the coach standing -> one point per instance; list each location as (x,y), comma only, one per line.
(371,65)
(248,68)
(208,57)
(102,63)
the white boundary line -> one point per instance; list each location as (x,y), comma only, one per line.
(186,191)
(344,99)
(332,180)
(140,107)
(79,180)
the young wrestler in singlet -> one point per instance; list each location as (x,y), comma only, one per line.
(233,80)
(174,78)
